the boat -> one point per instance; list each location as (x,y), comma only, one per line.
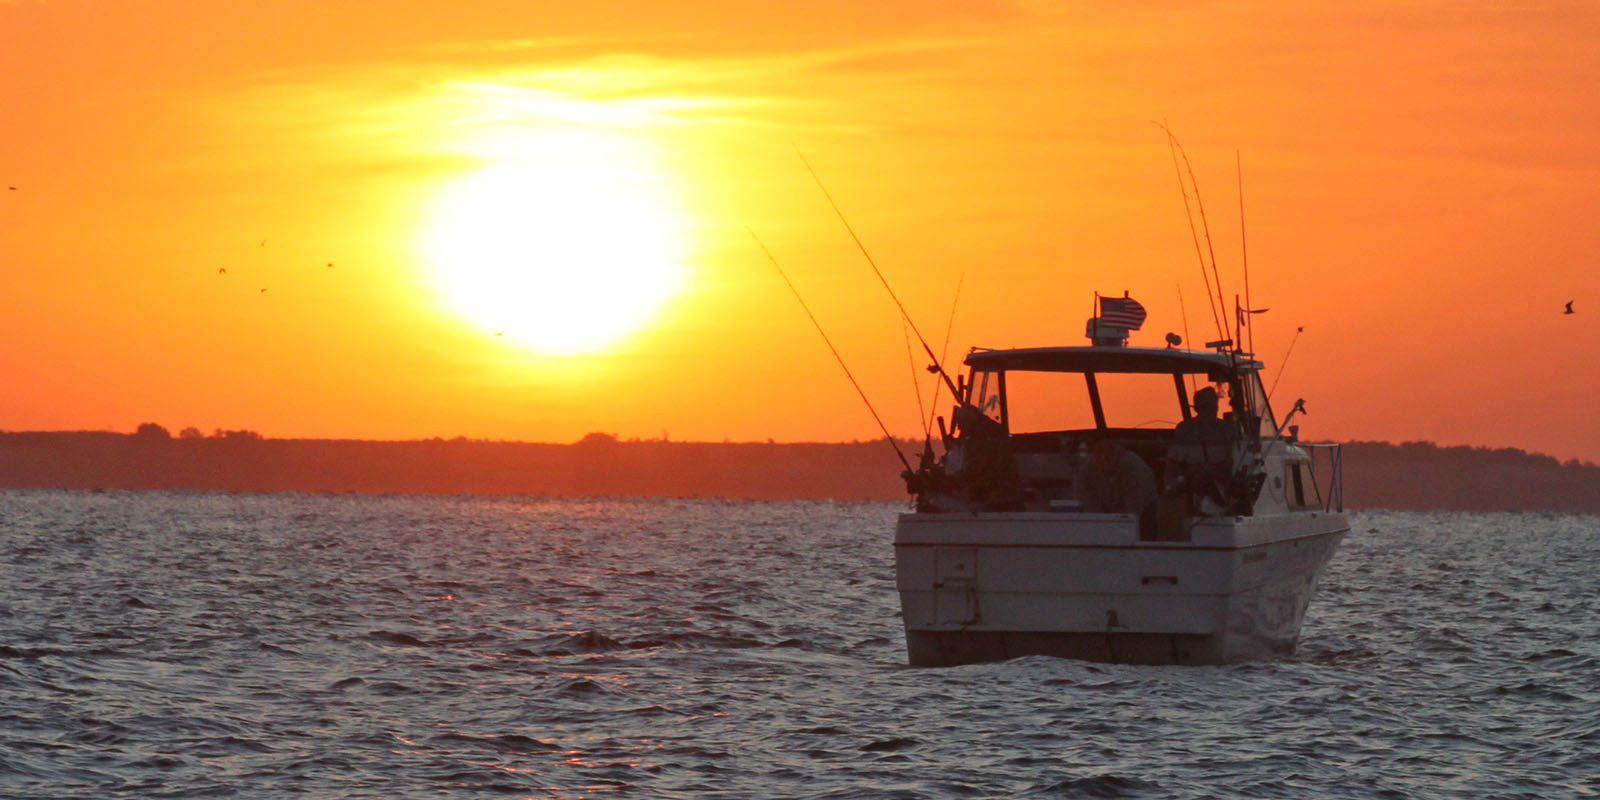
(1004,556)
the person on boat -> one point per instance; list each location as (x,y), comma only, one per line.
(1113,480)
(987,467)
(1200,458)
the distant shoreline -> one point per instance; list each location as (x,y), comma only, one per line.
(1410,476)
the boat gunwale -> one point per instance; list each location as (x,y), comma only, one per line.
(1137,545)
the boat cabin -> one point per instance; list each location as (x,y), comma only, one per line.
(1028,420)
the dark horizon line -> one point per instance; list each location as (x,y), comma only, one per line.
(252,435)
(609,438)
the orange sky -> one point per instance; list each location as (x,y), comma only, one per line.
(1420,185)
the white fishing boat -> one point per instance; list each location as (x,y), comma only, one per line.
(1035,534)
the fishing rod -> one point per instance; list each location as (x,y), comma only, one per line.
(1205,226)
(937,364)
(835,350)
(1212,299)
(1182,309)
(911,362)
(927,429)
(1282,365)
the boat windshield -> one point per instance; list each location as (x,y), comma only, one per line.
(986,390)
(1061,401)
(1256,398)
(1140,400)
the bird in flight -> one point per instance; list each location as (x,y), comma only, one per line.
(330,263)
(263,291)
(1569,308)
(222,270)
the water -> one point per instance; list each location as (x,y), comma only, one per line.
(184,645)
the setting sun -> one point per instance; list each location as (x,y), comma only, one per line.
(565,247)
(528,221)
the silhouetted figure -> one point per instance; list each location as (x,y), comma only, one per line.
(1200,458)
(1116,481)
(1569,307)
(987,467)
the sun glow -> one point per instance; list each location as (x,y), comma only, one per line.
(566,243)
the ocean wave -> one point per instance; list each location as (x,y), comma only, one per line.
(411,647)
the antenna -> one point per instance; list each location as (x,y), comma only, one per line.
(1244,250)
(835,350)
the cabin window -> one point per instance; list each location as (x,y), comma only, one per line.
(986,394)
(1139,400)
(1060,401)
(1047,401)
(1302,486)
(1256,401)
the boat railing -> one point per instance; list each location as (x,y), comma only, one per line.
(1333,498)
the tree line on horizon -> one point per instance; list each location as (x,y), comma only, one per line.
(152,431)
(1412,475)
(156,431)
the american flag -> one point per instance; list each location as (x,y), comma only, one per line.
(1123,312)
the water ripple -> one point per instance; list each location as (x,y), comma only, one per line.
(190,644)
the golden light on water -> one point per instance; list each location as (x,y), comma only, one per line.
(569,239)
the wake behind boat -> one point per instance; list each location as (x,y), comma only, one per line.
(1091,503)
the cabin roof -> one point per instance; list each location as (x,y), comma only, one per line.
(1110,359)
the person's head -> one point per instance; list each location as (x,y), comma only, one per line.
(1205,402)
(1105,454)
(965,414)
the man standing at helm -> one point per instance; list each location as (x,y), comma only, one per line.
(1200,457)
(1114,480)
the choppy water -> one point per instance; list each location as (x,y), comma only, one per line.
(181,645)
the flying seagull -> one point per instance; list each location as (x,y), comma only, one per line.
(263,291)
(222,270)
(1569,308)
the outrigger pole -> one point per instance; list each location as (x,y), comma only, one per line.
(885,281)
(835,350)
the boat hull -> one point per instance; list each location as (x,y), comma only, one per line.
(998,585)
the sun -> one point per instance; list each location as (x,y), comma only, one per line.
(568,246)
